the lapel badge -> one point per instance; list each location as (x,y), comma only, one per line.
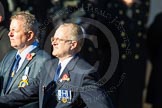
(30,56)
(24,81)
(65,77)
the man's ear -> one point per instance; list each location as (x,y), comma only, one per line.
(73,44)
(30,35)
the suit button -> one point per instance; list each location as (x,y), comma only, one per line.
(136,57)
(139,23)
(123,45)
(122,22)
(139,34)
(120,12)
(122,34)
(137,45)
(92,15)
(123,56)
(137,11)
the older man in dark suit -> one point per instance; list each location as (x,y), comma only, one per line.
(71,84)
(20,66)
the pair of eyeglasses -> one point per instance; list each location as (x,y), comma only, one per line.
(59,40)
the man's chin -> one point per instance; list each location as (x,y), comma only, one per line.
(54,54)
(15,47)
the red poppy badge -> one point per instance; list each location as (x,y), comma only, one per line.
(30,56)
(65,77)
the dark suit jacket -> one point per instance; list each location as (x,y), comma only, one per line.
(35,65)
(85,93)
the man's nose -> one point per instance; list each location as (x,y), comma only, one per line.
(10,34)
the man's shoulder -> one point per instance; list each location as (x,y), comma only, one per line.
(11,53)
(83,63)
(8,57)
(41,54)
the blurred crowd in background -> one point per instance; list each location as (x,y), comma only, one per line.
(127,20)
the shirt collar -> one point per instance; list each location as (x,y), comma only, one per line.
(64,64)
(28,49)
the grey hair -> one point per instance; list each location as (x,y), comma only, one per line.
(30,21)
(78,33)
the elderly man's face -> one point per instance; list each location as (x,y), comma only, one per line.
(17,36)
(61,43)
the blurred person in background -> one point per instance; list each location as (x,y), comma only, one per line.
(4,39)
(154,95)
(132,15)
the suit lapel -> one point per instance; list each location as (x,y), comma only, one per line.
(17,74)
(10,62)
(70,66)
(25,63)
(50,71)
(48,81)
(60,83)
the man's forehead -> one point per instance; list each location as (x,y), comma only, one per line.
(62,27)
(16,23)
(61,31)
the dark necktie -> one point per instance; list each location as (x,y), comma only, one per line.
(57,72)
(13,69)
(15,65)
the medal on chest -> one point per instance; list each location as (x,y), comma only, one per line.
(24,80)
(64,96)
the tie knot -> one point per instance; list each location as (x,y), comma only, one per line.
(18,57)
(59,65)
(58,68)
(57,72)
